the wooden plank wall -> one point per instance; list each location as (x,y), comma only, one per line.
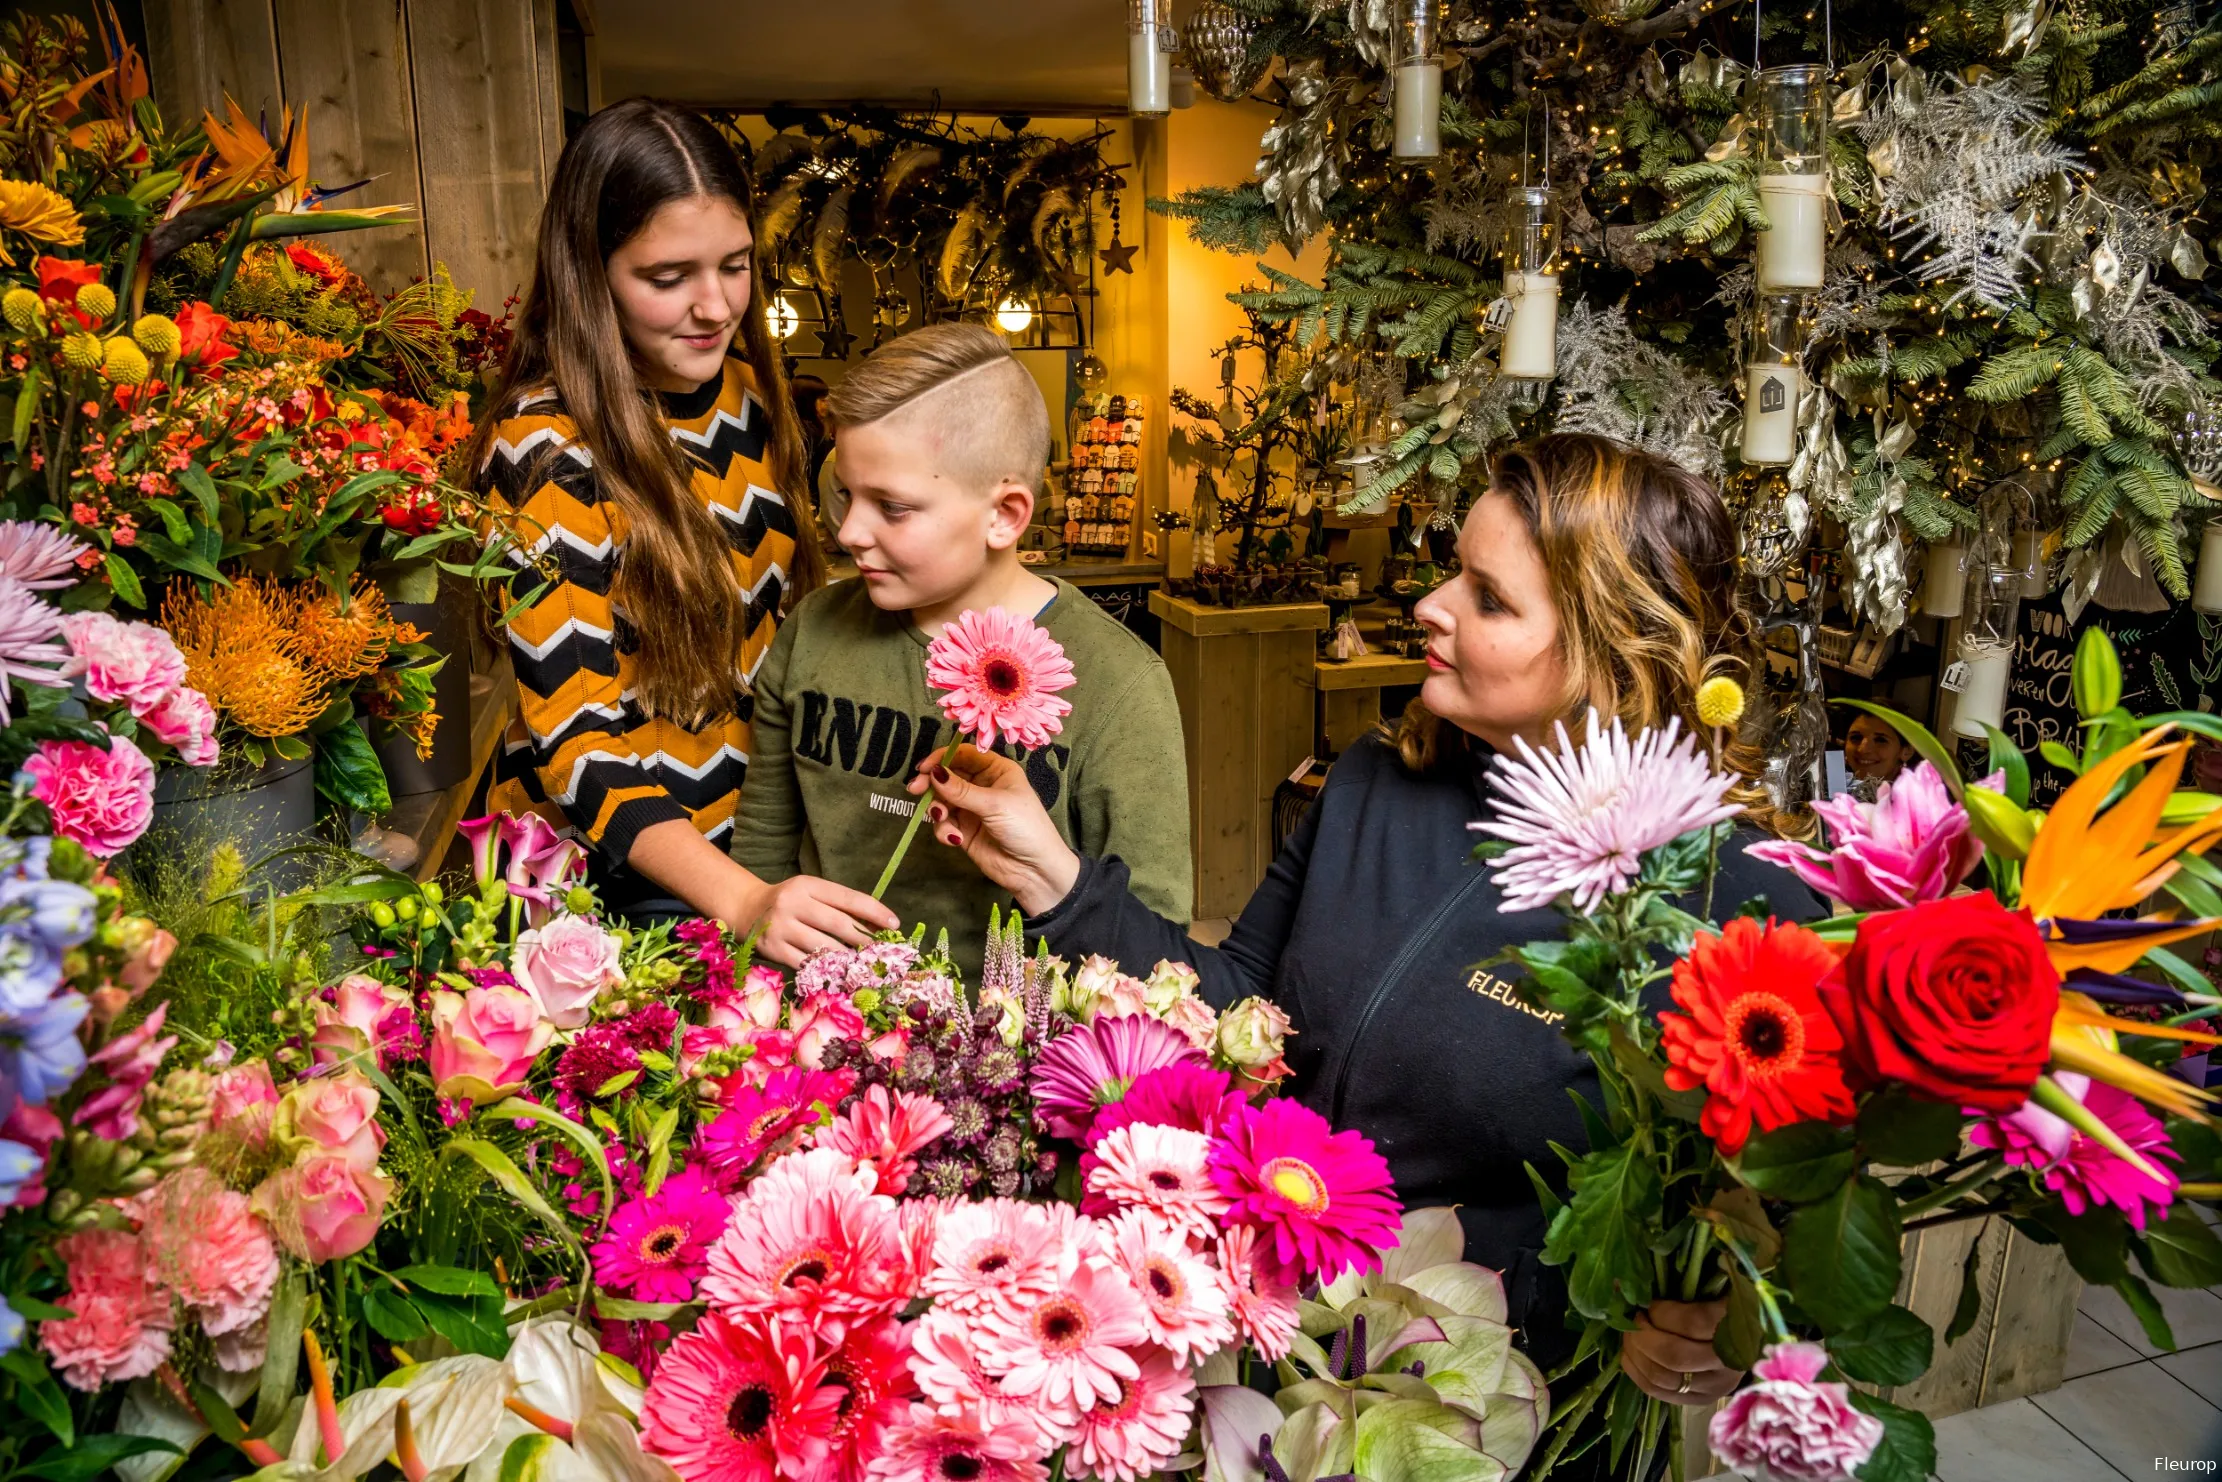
(451,106)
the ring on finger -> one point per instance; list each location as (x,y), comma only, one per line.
(1682,1387)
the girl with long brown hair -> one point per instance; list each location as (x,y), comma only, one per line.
(1592,575)
(648,466)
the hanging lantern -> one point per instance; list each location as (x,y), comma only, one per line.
(1530,351)
(1014,316)
(1992,602)
(1773,381)
(2029,560)
(1941,586)
(1418,84)
(1793,120)
(1150,43)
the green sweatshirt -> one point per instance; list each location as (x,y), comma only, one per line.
(843,714)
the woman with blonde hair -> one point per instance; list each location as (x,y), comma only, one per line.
(1592,575)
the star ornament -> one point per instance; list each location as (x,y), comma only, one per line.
(1118,257)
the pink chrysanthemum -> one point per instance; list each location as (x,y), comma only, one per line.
(1001,674)
(739,1401)
(1580,818)
(1132,1434)
(810,1240)
(1324,1198)
(882,1134)
(1068,1350)
(942,1445)
(656,1248)
(870,1377)
(950,1370)
(31,647)
(1165,1170)
(39,556)
(1260,1293)
(120,1322)
(1087,1068)
(1184,1301)
(205,1244)
(756,1118)
(998,1252)
(2080,1169)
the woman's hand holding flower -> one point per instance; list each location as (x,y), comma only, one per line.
(986,807)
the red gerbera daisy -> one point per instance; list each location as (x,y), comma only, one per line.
(1754,1035)
(1002,674)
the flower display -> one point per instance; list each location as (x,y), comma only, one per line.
(1912,844)
(1788,1427)
(1001,674)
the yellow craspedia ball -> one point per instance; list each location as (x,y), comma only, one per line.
(97,300)
(82,351)
(157,334)
(21,306)
(1720,701)
(124,363)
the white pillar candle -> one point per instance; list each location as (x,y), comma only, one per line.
(1794,253)
(1983,688)
(1943,583)
(1149,73)
(2206,590)
(1530,350)
(1770,413)
(1419,109)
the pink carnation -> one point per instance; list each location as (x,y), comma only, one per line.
(1788,1428)
(120,1327)
(184,720)
(133,664)
(101,799)
(205,1244)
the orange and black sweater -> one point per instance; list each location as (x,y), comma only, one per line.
(581,752)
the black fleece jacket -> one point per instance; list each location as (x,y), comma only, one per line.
(1366,933)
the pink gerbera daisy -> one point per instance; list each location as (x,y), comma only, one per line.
(998,1252)
(1184,1302)
(1323,1197)
(1068,1349)
(1260,1294)
(1133,1432)
(959,1446)
(739,1401)
(812,1241)
(1089,1067)
(1187,1094)
(2081,1169)
(947,1367)
(756,1117)
(657,1247)
(1165,1170)
(870,1375)
(882,1134)
(1002,674)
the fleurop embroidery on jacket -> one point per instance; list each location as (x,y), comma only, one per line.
(1489,985)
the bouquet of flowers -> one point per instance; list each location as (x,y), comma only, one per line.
(1782,1100)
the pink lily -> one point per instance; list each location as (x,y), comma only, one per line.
(1912,844)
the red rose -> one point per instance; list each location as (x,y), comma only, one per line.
(201,337)
(1952,999)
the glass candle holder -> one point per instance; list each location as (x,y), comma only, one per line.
(2206,587)
(1530,351)
(1150,41)
(1792,111)
(1992,605)
(1773,382)
(1416,87)
(1943,587)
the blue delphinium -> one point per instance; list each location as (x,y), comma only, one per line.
(40,919)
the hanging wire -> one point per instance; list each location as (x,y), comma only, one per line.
(1755,61)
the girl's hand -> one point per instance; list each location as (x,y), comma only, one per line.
(985,806)
(1670,1354)
(805,915)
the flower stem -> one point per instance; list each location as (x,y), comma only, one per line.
(1937,1198)
(910,830)
(1700,1247)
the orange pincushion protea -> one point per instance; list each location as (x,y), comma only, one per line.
(244,649)
(281,341)
(353,639)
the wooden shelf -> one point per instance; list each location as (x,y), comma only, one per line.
(430,818)
(1367,672)
(1205,621)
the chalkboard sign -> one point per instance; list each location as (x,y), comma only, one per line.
(2170,661)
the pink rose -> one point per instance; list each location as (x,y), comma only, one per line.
(242,1102)
(364,1014)
(890,1048)
(135,664)
(1252,1035)
(761,994)
(323,1208)
(335,1116)
(1790,1428)
(820,1019)
(120,1322)
(565,965)
(102,799)
(148,949)
(1197,1021)
(484,1042)
(183,719)
(1100,991)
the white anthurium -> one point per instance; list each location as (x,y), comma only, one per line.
(582,1428)
(454,1405)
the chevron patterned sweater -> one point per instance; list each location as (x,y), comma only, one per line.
(581,753)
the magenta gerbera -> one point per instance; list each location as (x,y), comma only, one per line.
(1088,1067)
(882,1134)
(810,1240)
(1133,1432)
(1001,674)
(756,1118)
(656,1248)
(1323,1198)
(1188,1095)
(739,1401)
(2079,1168)
(942,1445)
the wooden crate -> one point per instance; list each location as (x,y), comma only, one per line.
(1243,679)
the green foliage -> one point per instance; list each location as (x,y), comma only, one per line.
(1235,218)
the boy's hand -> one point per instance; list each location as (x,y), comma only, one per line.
(805,914)
(986,807)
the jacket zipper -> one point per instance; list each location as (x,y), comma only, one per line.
(1397,968)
